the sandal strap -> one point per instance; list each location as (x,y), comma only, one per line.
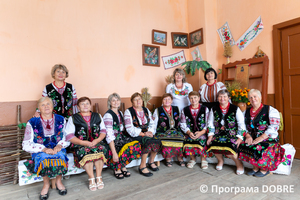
(143,168)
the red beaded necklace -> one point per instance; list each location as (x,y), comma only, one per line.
(211,84)
(225,110)
(59,87)
(254,113)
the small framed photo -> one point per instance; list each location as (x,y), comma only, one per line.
(180,40)
(151,55)
(196,37)
(159,37)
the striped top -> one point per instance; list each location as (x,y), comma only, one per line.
(208,93)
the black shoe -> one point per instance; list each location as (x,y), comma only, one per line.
(145,174)
(118,175)
(44,197)
(251,173)
(125,173)
(62,192)
(153,169)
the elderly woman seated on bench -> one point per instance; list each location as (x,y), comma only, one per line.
(44,138)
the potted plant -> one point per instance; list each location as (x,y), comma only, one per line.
(240,97)
(191,66)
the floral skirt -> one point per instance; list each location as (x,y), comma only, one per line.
(149,144)
(270,158)
(195,147)
(223,143)
(83,155)
(127,153)
(172,143)
(48,165)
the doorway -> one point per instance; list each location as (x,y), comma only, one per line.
(286,43)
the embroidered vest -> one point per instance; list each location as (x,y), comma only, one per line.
(81,127)
(135,120)
(56,97)
(230,121)
(116,122)
(48,142)
(164,120)
(198,123)
(260,122)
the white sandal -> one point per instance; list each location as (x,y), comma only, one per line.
(204,164)
(92,186)
(100,184)
(191,164)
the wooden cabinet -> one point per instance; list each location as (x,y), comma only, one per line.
(258,75)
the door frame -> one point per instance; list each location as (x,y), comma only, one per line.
(277,55)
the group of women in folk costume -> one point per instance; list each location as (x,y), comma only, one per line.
(181,127)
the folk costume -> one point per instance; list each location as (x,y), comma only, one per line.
(180,96)
(64,99)
(87,128)
(137,122)
(209,93)
(268,154)
(168,131)
(40,134)
(226,126)
(127,148)
(194,120)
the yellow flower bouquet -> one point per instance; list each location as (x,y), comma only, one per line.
(239,95)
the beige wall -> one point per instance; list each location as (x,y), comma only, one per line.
(100,41)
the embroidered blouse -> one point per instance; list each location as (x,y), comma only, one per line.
(194,112)
(180,97)
(70,128)
(30,146)
(208,93)
(134,131)
(156,118)
(274,117)
(61,91)
(108,121)
(240,122)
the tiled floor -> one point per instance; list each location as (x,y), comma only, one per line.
(172,183)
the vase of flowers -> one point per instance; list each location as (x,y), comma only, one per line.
(240,97)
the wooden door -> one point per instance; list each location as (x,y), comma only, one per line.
(291,85)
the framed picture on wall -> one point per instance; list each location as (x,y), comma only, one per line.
(196,37)
(180,40)
(151,55)
(159,37)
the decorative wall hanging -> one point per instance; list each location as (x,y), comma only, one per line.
(252,32)
(191,66)
(225,34)
(196,37)
(151,55)
(173,60)
(259,53)
(227,51)
(180,40)
(196,54)
(159,37)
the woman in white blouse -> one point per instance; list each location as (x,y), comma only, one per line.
(123,149)
(208,91)
(140,125)
(227,129)
(261,147)
(179,89)
(86,131)
(45,139)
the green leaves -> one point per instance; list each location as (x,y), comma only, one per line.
(22,125)
(191,66)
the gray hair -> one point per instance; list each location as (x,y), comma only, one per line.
(59,66)
(41,100)
(110,98)
(180,71)
(223,92)
(254,91)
